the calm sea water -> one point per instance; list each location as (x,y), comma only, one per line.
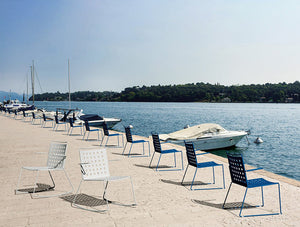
(277,124)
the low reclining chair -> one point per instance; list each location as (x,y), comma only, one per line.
(55,162)
(94,167)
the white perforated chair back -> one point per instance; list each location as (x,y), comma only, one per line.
(94,163)
(56,155)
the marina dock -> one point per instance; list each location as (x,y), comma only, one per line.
(161,199)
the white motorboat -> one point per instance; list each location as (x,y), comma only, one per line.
(17,105)
(206,136)
(97,121)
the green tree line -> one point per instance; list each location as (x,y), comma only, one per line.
(192,92)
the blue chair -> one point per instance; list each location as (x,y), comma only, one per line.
(238,176)
(157,148)
(129,139)
(88,129)
(71,121)
(25,116)
(46,120)
(34,118)
(108,134)
(58,123)
(192,160)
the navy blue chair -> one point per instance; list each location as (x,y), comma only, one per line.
(239,176)
(71,122)
(130,140)
(192,161)
(25,116)
(88,129)
(34,118)
(46,120)
(58,123)
(157,149)
(108,135)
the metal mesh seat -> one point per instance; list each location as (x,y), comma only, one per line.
(130,140)
(94,167)
(239,176)
(158,149)
(55,162)
(192,160)
(108,135)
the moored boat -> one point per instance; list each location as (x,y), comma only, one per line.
(207,136)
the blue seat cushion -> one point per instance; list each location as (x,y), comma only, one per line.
(207,164)
(258,182)
(139,141)
(170,151)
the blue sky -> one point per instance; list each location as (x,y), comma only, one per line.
(114,44)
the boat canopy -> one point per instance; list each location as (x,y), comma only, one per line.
(90,117)
(193,132)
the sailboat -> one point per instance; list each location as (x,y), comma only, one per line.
(79,117)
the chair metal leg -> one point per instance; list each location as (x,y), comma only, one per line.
(181,161)
(262,196)
(279,198)
(184,174)
(193,179)
(226,195)
(130,149)
(243,203)
(214,181)
(18,184)
(223,176)
(124,148)
(174,159)
(158,161)
(151,159)
(148,148)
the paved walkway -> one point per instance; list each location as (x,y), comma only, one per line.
(161,200)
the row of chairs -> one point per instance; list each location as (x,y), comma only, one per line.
(236,163)
(236,167)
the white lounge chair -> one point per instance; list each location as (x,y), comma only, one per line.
(94,167)
(55,162)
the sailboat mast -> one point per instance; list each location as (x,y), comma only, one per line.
(32,81)
(27,88)
(69,84)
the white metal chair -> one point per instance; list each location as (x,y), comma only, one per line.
(94,167)
(55,162)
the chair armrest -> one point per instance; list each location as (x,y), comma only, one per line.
(249,170)
(202,153)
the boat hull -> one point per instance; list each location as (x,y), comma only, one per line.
(110,122)
(217,141)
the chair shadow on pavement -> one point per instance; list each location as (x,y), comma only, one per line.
(84,200)
(228,206)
